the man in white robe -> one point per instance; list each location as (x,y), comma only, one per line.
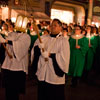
(15,68)
(51,64)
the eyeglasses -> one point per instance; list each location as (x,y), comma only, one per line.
(77,29)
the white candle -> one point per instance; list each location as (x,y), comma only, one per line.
(77,40)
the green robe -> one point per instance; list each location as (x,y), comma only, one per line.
(91,52)
(77,56)
(96,63)
(99,53)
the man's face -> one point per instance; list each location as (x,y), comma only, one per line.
(55,28)
(77,30)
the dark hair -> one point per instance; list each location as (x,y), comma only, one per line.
(47,30)
(12,24)
(78,26)
(28,25)
(65,29)
(96,30)
(39,26)
(59,22)
(90,28)
(6,26)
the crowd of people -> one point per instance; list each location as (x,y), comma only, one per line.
(58,50)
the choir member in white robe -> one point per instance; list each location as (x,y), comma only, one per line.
(15,68)
(51,73)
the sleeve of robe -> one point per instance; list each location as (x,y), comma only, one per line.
(21,46)
(94,44)
(63,56)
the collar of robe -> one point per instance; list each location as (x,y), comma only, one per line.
(77,37)
(56,35)
(95,34)
(53,35)
(89,35)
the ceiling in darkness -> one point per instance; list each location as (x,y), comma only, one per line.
(4,2)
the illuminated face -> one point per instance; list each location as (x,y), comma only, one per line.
(10,28)
(64,32)
(45,32)
(55,28)
(94,30)
(88,29)
(77,30)
(4,27)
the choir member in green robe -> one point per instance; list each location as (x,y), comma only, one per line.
(92,43)
(96,58)
(96,62)
(99,55)
(78,49)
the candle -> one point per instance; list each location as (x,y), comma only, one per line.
(76,40)
(89,39)
(6,33)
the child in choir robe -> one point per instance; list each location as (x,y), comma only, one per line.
(78,49)
(15,68)
(52,64)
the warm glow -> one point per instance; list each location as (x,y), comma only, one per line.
(13,19)
(96,23)
(37,22)
(4,13)
(64,16)
(25,21)
(19,21)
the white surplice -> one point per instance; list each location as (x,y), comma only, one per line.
(19,51)
(60,47)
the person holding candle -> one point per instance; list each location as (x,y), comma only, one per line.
(51,72)
(92,43)
(96,34)
(15,69)
(78,49)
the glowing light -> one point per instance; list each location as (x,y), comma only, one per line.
(25,21)
(96,23)
(13,19)
(64,16)
(19,21)
(4,13)
(92,22)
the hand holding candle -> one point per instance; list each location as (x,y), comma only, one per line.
(77,46)
(76,40)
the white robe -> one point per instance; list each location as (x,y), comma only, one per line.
(21,43)
(60,47)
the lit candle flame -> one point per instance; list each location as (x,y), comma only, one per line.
(77,40)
